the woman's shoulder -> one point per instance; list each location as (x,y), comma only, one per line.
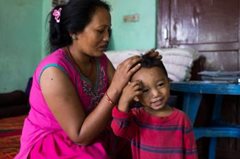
(57,59)
(56,56)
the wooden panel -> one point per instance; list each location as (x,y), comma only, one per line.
(220,60)
(204,21)
(209,26)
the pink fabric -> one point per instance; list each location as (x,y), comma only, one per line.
(42,136)
(151,137)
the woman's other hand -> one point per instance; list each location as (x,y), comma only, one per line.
(154,53)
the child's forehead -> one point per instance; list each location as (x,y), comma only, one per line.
(148,73)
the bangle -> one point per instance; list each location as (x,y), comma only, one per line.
(108,98)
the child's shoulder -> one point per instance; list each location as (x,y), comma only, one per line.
(181,115)
(179,112)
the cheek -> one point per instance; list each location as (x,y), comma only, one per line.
(144,100)
(167,92)
(89,39)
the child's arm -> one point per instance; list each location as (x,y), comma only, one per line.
(122,123)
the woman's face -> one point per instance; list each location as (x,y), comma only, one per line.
(93,40)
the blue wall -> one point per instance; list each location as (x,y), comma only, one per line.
(23,35)
(133,35)
(20,41)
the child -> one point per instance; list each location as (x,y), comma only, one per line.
(156,130)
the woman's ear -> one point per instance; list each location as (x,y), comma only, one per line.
(73,36)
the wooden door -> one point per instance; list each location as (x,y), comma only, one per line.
(210,26)
(213,28)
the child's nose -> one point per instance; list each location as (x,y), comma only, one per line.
(155,92)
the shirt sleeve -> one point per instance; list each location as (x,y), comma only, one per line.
(123,124)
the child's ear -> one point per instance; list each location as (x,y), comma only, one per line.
(136,99)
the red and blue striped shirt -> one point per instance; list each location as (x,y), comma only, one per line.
(155,137)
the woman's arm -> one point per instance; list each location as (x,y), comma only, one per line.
(63,101)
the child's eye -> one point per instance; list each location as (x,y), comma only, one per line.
(160,84)
(145,90)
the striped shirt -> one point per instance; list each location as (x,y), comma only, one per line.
(155,137)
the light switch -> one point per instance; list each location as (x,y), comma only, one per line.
(131,18)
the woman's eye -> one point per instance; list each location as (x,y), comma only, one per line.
(100,31)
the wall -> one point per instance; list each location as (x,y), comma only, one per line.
(133,35)
(23,35)
(47,6)
(20,41)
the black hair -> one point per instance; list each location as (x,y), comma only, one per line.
(75,16)
(149,61)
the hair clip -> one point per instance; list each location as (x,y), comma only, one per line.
(57,13)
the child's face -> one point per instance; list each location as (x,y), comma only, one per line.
(155,87)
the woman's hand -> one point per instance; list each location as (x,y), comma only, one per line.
(154,53)
(124,71)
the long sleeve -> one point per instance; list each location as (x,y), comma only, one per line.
(122,124)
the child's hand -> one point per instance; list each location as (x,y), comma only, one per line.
(130,91)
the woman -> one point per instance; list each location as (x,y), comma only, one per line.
(75,87)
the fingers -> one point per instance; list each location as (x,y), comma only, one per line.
(124,71)
(130,65)
(154,53)
(134,68)
(136,86)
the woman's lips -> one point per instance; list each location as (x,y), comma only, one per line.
(103,47)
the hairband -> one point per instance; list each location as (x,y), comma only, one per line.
(57,13)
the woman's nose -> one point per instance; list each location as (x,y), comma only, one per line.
(106,36)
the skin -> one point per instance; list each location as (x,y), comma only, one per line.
(61,96)
(150,87)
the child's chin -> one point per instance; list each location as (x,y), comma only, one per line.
(158,107)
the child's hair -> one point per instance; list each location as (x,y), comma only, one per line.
(148,62)
(71,17)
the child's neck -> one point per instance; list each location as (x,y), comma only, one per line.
(164,112)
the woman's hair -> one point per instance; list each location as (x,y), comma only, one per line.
(71,17)
(148,62)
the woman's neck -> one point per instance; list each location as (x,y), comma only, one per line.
(82,61)
(79,57)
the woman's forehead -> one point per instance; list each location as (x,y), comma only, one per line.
(101,17)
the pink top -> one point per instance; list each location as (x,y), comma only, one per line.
(41,132)
(155,137)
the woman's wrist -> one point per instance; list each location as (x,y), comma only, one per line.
(112,95)
(109,100)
